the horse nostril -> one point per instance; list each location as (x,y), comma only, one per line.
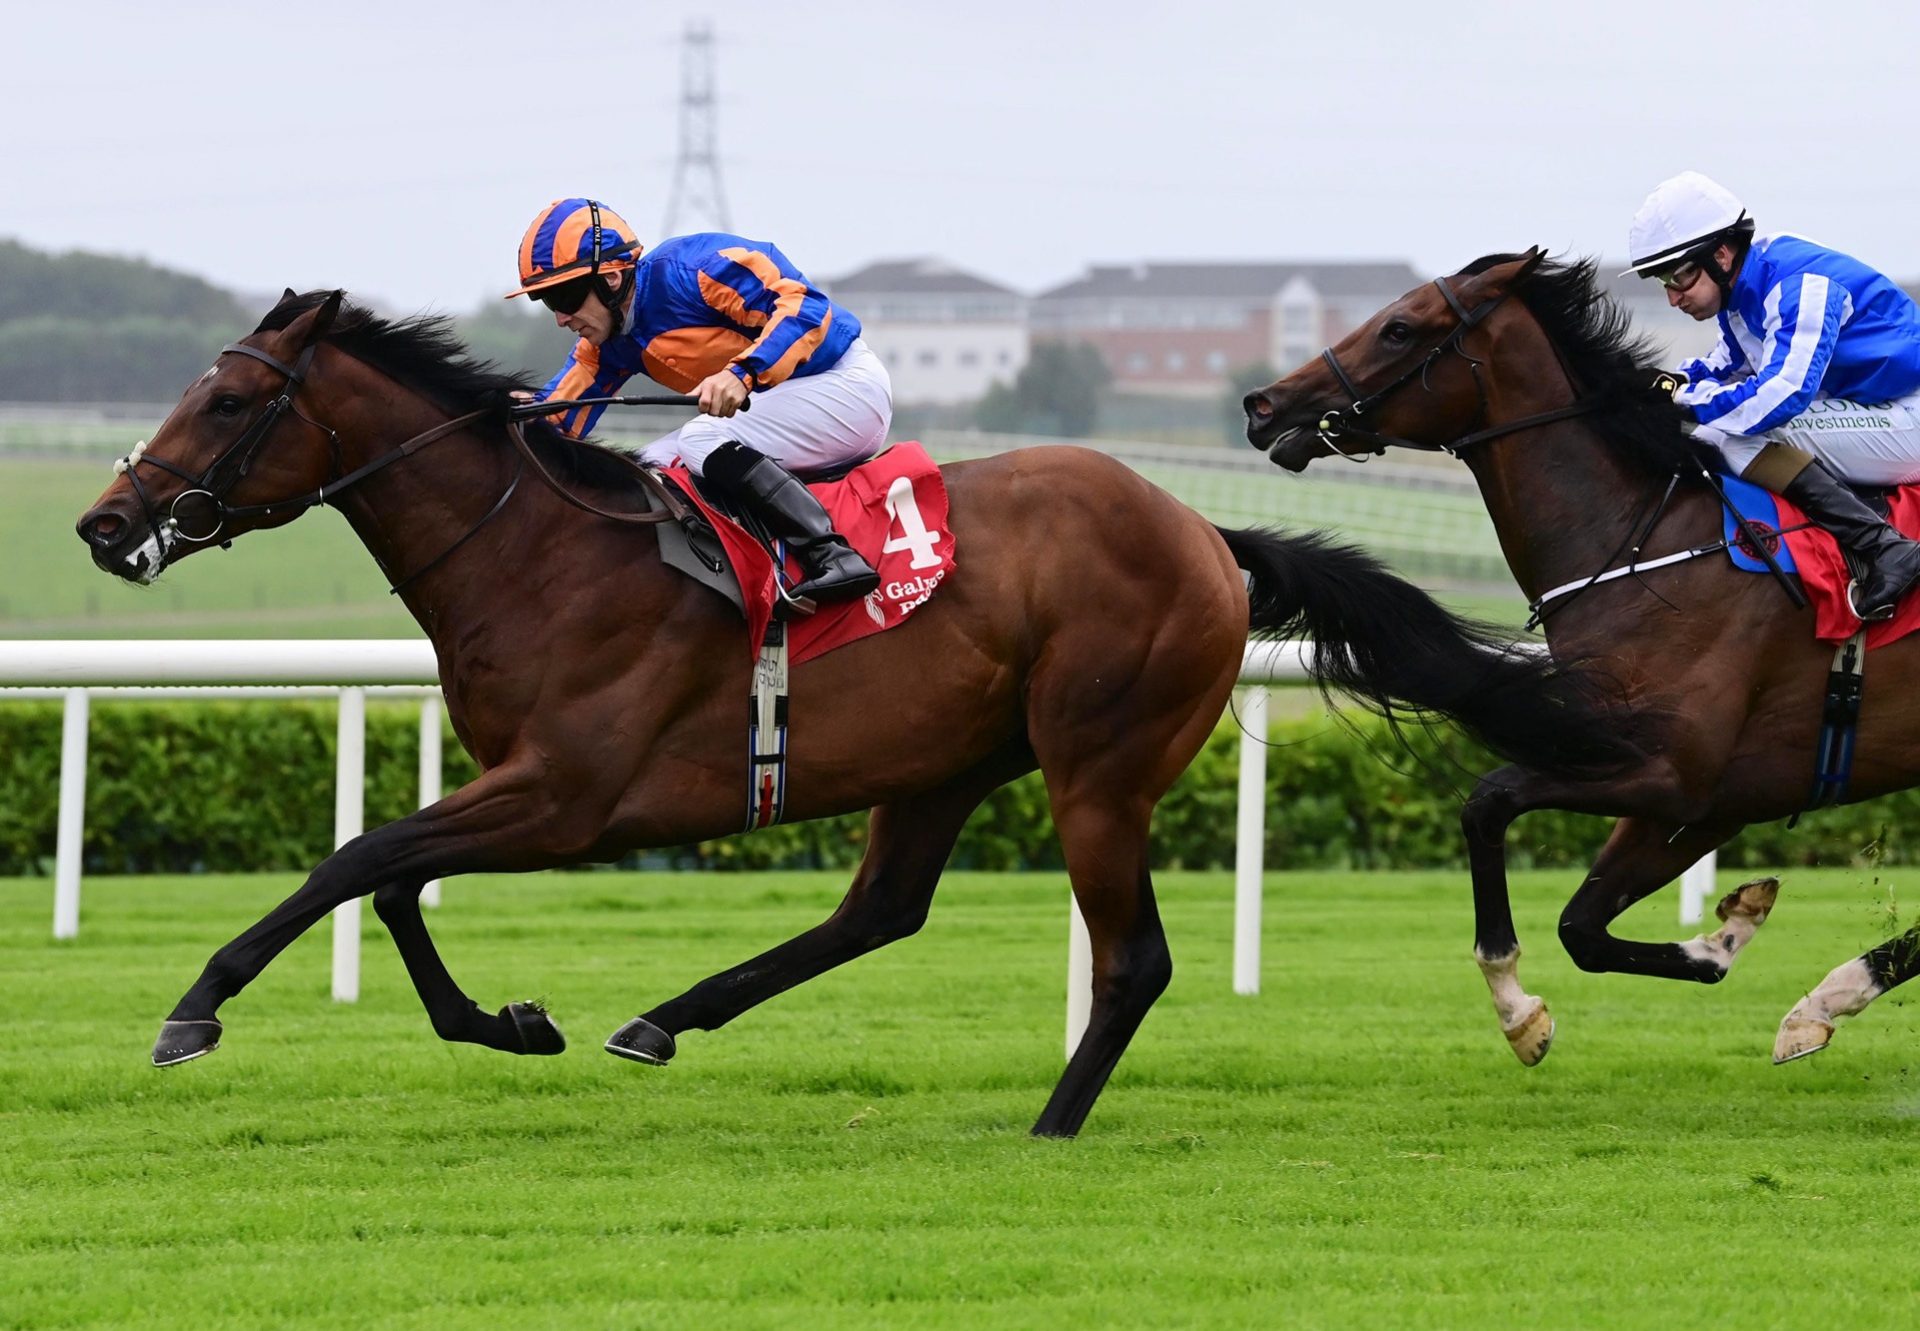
(101,531)
(1257,406)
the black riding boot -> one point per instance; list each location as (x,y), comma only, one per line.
(1892,561)
(834,571)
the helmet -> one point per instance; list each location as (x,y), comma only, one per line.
(571,239)
(1684,218)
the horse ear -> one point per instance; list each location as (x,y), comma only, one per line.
(287,295)
(324,316)
(1502,276)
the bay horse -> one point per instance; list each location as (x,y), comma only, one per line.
(1528,373)
(1093,628)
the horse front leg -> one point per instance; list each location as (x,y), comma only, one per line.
(1500,798)
(505,820)
(1640,857)
(517,1028)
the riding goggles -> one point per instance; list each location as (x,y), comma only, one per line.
(1679,277)
(565,297)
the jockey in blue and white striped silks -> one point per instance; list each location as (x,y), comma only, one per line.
(1815,379)
(1802,323)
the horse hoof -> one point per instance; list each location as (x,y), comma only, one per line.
(538,1034)
(641,1041)
(184,1041)
(1532,1035)
(1800,1036)
(1750,900)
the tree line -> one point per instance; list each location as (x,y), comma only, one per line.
(82,327)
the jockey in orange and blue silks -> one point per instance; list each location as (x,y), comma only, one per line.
(1815,379)
(719,317)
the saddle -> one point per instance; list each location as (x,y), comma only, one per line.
(892,509)
(1799,546)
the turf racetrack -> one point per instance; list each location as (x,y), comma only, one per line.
(1353,1147)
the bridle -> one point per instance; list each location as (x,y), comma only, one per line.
(1341,422)
(231,467)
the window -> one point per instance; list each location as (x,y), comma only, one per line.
(969,358)
(1176,361)
(1137,363)
(1216,362)
(927,359)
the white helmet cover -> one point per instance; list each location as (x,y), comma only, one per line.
(1679,216)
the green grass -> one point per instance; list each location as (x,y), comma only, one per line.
(1353,1147)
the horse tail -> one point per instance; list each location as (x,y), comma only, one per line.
(1388,644)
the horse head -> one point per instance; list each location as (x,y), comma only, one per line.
(1405,377)
(238,442)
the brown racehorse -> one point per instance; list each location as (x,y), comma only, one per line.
(1526,371)
(1093,628)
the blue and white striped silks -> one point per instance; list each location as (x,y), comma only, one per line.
(1803,321)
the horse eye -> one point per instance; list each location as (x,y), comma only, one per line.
(1396,332)
(227,405)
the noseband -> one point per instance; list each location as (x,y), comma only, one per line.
(1343,422)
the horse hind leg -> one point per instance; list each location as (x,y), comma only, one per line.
(1106,852)
(908,842)
(1808,1026)
(1111,737)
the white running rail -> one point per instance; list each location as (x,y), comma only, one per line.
(351,669)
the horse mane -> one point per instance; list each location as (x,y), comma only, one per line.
(423,353)
(1609,362)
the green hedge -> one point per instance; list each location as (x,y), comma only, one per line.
(185,787)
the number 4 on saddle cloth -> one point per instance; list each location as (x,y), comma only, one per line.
(892,509)
(1801,547)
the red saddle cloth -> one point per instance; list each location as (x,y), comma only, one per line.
(1824,573)
(893,510)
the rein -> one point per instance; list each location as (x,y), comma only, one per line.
(233,464)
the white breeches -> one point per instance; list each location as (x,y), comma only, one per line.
(825,420)
(1866,443)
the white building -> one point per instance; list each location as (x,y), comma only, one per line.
(946,335)
(1184,328)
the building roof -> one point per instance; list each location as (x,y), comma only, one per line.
(1225,281)
(915,277)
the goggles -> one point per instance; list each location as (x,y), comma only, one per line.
(1677,278)
(565,297)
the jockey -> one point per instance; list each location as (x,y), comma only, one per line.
(1816,375)
(719,317)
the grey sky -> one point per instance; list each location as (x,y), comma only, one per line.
(399,149)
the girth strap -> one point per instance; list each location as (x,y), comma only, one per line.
(1839,724)
(767,731)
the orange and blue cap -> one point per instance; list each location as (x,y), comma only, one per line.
(570,239)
